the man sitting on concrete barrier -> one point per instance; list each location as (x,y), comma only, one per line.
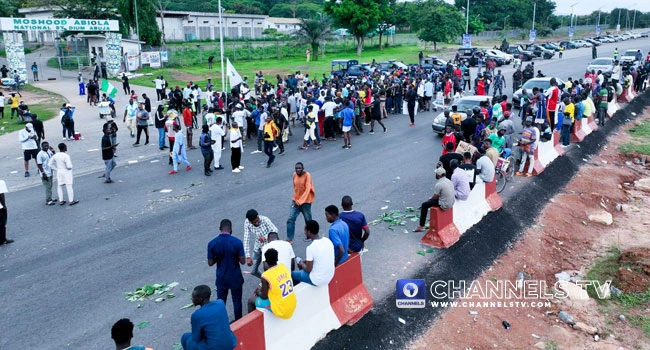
(276,293)
(318,267)
(210,326)
(286,255)
(484,167)
(444,197)
(338,233)
(460,179)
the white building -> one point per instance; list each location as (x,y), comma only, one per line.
(283,25)
(44,12)
(187,26)
(97,44)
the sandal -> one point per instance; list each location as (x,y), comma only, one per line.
(61,202)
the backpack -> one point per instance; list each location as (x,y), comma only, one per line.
(66,118)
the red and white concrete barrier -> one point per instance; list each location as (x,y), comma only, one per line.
(612,107)
(319,310)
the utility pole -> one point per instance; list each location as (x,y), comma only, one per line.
(137,31)
(223,74)
(467,19)
(534,10)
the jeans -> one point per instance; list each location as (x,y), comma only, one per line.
(565,137)
(161,137)
(305,209)
(397,104)
(425,209)
(602,114)
(268,150)
(47,184)
(222,293)
(260,140)
(301,276)
(499,89)
(207,160)
(110,165)
(257,261)
(144,128)
(317,132)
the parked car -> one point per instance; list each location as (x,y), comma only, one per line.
(604,39)
(358,70)
(390,65)
(583,43)
(465,105)
(644,34)
(340,67)
(568,45)
(470,55)
(539,51)
(540,83)
(593,42)
(603,64)
(630,57)
(508,58)
(551,46)
(433,62)
(517,50)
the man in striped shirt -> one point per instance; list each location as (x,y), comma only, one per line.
(259,226)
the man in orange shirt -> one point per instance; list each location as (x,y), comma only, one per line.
(187,120)
(303,196)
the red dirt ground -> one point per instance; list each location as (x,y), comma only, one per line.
(563,239)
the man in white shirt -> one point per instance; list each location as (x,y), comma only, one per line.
(428,94)
(42,160)
(286,255)
(235,148)
(217,133)
(318,267)
(485,167)
(160,85)
(329,108)
(27,138)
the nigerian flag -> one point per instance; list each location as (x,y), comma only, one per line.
(108,88)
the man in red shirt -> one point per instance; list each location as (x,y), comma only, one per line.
(187,120)
(480,86)
(553,96)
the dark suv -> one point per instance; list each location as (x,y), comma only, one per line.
(516,50)
(470,55)
(539,51)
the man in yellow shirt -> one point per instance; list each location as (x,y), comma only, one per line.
(271,131)
(276,293)
(567,121)
(15,101)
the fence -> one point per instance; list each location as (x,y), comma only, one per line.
(259,50)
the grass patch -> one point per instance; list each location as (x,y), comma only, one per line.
(640,143)
(632,300)
(46,107)
(642,322)
(603,270)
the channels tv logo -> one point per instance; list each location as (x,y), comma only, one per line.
(410,294)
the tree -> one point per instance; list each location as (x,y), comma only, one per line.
(161,7)
(386,21)
(520,12)
(147,25)
(88,9)
(8,8)
(447,19)
(359,17)
(312,32)
(283,10)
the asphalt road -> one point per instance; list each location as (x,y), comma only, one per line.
(63,280)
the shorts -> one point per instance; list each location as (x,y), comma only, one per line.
(427,98)
(29,154)
(263,303)
(347,128)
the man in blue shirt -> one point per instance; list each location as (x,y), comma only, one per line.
(210,326)
(347,114)
(339,234)
(357,225)
(228,253)
(122,333)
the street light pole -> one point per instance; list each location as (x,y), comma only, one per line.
(223,74)
(618,25)
(137,31)
(534,10)
(634,19)
(467,19)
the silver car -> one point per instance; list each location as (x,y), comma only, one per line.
(465,105)
(603,64)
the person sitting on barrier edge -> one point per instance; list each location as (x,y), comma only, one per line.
(318,267)
(469,168)
(210,326)
(276,293)
(444,197)
(446,158)
(338,233)
(357,225)
(460,179)
(122,333)
(286,255)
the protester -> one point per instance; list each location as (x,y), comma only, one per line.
(276,292)
(210,326)
(28,141)
(443,197)
(122,333)
(318,266)
(42,162)
(357,225)
(303,196)
(62,164)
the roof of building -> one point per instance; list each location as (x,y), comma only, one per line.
(210,14)
(100,36)
(282,20)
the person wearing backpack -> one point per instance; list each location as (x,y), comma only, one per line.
(67,123)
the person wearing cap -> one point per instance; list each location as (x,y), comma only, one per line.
(111,126)
(14,101)
(444,197)
(498,139)
(142,117)
(159,122)
(27,138)
(527,144)
(45,171)
(178,151)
